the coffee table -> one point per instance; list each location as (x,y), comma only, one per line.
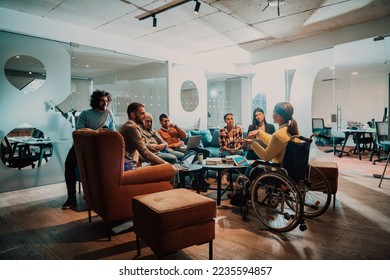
(196,170)
(219,168)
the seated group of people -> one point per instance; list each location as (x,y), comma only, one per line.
(165,146)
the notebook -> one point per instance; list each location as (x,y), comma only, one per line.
(186,161)
(240,161)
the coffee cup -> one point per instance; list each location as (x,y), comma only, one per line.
(200,158)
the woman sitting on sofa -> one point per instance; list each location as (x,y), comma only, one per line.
(258,123)
(230,138)
(155,143)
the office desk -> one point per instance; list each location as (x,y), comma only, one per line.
(356,134)
(25,144)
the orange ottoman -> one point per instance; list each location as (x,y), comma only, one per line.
(171,220)
(331,172)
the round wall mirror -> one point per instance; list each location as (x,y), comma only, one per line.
(189,96)
(26,147)
(25,73)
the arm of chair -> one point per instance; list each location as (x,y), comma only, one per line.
(266,163)
(148,174)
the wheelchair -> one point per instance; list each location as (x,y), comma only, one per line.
(282,196)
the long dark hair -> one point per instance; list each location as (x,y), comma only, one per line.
(95,98)
(286,111)
(255,122)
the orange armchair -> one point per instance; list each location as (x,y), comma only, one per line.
(108,190)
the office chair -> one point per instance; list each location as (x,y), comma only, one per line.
(336,138)
(318,126)
(381,140)
(37,133)
(16,156)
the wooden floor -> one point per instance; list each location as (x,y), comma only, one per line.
(33,226)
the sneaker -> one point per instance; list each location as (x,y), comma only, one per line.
(69,203)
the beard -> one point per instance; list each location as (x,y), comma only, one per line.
(102,107)
(138,120)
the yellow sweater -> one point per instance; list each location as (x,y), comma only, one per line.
(276,145)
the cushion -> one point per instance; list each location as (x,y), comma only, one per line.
(173,209)
(215,140)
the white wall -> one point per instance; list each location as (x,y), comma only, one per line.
(178,74)
(270,79)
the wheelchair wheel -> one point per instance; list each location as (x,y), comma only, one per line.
(277,201)
(317,193)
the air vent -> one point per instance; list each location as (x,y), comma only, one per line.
(327,80)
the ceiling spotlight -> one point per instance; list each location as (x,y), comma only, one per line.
(274,3)
(154,21)
(197,7)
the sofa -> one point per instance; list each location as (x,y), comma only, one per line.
(210,142)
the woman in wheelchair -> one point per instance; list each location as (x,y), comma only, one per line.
(286,190)
(277,142)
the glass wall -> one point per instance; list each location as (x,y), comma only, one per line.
(354,90)
(44,85)
(224,96)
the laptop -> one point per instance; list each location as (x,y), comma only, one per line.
(193,142)
(186,161)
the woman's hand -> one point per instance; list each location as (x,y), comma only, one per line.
(253,133)
(247,141)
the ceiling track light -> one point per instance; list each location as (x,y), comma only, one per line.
(274,3)
(154,21)
(166,7)
(197,7)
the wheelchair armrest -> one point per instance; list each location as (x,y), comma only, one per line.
(263,162)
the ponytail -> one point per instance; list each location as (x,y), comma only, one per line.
(286,111)
(292,128)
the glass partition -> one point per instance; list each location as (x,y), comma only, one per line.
(25,73)
(37,133)
(353,91)
(224,95)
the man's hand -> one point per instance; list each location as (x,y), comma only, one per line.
(179,144)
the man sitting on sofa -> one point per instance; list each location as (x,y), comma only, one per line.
(174,136)
(156,144)
(136,149)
